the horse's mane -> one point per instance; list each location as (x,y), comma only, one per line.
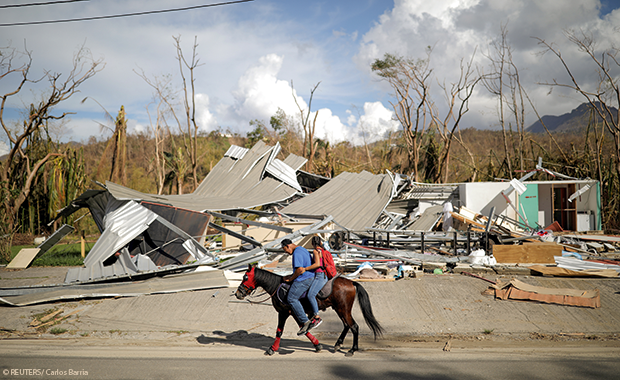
(267,280)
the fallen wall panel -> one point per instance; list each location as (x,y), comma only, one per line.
(169,284)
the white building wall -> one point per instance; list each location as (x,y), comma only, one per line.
(480,197)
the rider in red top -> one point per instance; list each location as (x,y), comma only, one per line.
(320,279)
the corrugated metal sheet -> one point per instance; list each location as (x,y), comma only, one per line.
(432,192)
(232,184)
(169,284)
(284,173)
(578,265)
(121,226)
(355,200)
(236,152)
(295,161)
(57,236)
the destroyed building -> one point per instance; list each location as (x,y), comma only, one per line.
(258,200)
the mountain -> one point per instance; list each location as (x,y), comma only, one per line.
(575,121)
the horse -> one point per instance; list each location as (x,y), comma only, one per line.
(341,299)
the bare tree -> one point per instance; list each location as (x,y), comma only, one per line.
(605,97)
(189,103)
(417,112)
(20,169)
(457,98)
(185,119)
(160,131)
(309,127)
(119,155)
(410,81)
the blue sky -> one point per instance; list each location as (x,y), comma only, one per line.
(252,51)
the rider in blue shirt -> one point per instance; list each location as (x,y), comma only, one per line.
(300,281)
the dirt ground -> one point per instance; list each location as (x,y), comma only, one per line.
(437,312)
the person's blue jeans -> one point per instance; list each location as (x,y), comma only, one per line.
(320,279)
(294,294)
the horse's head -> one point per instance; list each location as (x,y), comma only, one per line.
(248,284)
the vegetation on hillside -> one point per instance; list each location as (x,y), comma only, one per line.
(40,176)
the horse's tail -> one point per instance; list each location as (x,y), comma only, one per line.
(366,307)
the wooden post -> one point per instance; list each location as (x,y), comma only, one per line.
(83,243)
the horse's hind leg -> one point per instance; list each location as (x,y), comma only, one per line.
(349,323)
(282,317)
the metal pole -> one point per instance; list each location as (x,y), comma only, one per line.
(422,242)
(455,240)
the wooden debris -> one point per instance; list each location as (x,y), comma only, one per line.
(534,253)
(45,321)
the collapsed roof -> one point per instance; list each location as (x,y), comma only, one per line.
(244,178)
(355,200)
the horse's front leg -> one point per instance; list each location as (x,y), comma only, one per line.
(343,335)
(282,317)
(318,347)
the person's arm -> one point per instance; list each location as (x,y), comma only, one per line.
(316,258)
(298,272)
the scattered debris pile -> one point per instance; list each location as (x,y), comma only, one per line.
(379,227)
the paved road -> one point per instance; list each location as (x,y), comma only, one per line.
(63,360)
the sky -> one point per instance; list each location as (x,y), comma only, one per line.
(258,56)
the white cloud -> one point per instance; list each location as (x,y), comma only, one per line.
(455,29)
(250,52)
(204,118)
(260,93)
(374,123)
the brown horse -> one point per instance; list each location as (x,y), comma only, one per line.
(341,300)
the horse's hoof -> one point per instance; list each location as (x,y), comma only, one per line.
(318,348)
(269,352)
(337,348)
(349,353)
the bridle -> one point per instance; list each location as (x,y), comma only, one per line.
(246,290)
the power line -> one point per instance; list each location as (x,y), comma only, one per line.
(36,4)
(124,14)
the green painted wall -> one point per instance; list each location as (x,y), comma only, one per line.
(528,204)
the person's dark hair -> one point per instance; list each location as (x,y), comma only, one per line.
(286,242)
(317,241)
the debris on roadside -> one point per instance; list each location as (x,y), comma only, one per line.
(379,227)
(518,290)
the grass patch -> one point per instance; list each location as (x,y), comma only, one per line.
(487,332)
(60,255)
(58,331)
(179,332)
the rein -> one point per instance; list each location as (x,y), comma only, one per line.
(268,298)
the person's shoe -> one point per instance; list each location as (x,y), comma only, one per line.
(304,329)
(316,321)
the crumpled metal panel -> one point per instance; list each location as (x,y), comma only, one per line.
(355,200)
(236,152)
(232,184)
(159,285)
(121,227)
(285,173)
